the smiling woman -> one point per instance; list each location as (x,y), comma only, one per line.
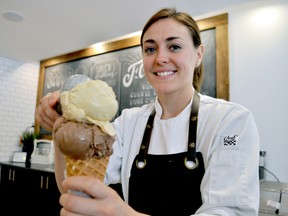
(196,154)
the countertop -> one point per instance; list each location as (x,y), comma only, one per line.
(272,192)
(41,167)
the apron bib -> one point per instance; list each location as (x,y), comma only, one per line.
(168,184)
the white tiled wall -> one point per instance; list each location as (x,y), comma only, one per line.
(18,92)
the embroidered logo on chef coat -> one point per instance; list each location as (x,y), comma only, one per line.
(229,142)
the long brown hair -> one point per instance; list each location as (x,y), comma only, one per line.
(191,24)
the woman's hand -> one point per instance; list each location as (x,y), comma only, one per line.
(104,200)
(45,113)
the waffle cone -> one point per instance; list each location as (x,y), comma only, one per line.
(92,167)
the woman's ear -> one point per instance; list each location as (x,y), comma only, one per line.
(200,53)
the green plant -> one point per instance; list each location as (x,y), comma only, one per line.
(29,136)
(27,142)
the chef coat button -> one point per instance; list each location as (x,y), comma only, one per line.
(142,146)
(148,126)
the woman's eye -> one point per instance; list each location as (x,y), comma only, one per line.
(149,50)
(175,47)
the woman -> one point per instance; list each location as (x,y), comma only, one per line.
(198,155)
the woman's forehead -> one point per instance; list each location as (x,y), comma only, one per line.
(166,28)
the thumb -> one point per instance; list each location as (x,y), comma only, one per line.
(53,98)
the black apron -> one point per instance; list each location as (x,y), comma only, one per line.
(168,184)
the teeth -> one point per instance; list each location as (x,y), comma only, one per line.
(166,73)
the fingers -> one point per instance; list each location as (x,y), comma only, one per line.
(76,205)
(100,201)
(65,212)
(45,113)
(53,98)
(43,119)
(103,201)
(89,185)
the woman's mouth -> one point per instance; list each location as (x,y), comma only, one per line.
(165,73)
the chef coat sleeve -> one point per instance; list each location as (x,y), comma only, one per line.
(230,186)
(113,172)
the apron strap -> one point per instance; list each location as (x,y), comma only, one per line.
(191,153)
(146,138)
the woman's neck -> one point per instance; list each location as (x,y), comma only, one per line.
(173,104)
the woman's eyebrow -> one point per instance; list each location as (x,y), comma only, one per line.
(167,39)
(149,41)
(172,38)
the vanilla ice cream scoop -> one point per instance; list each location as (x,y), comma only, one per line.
(92,101)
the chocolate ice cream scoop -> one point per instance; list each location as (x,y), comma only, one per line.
(79,140)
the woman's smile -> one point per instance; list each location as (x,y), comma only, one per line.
(164,73)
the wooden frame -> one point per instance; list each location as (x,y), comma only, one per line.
(219,23)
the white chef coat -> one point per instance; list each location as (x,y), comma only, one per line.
(227,137)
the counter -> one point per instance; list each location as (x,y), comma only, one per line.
(24,189)
(270,194)
(32,166)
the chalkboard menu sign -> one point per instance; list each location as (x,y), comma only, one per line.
(119,63)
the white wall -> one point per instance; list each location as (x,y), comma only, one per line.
(258,64)
(258,52)
(258,40)
(18,91)
(258,58)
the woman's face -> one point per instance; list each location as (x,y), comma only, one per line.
(169,56)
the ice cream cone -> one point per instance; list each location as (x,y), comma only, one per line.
(91,167)
(84,133)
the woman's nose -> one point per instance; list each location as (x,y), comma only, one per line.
(162,57)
